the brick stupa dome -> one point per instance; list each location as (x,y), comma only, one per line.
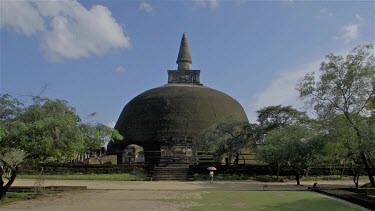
(180,109)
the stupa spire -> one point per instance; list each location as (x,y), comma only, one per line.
(184,56)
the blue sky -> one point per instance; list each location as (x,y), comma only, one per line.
(98,55)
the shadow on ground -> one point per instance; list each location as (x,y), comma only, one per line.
(268,200)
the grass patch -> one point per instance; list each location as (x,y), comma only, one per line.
(267,200)
(109,177)
(14,196)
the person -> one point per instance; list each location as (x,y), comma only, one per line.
(211,176)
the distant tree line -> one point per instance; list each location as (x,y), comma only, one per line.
(342,94)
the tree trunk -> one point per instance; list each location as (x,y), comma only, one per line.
(355,176)
(4,188)
(243,158)
(368,169)
(363,155)
(298,178)
(278,173)
(342,171)
(355,180)
(308,172)
(2,192)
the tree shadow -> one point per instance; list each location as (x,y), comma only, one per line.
(320,204)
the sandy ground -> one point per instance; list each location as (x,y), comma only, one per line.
(185,186)
(122,195)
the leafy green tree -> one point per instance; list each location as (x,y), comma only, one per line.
(9,107)
(292,147)
(271,153)
(346,87)
(275,117)
(341,146)
(229,137)
(47,129)
(95,136)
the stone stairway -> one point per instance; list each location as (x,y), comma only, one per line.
(180,173)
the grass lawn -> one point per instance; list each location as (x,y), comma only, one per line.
(110,177)
(13,196)
(267,200)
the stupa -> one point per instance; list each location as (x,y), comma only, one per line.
(173,114)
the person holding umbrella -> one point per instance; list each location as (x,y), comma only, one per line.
(211,175)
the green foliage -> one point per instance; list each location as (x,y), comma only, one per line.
(46,130)
(96,135)
(229,137)
(9,107)
(345,86)
(291,147)
(49,130)
(10,158)
(343,94)
(280,133)
(275,117)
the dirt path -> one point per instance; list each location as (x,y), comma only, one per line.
(120,195)
(182,186)
(105,200)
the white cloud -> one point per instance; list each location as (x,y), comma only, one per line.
(281,90)
(287,1)
(120,69)
(212,4)
(359,18)
(349,33)
(21,16)
(111,124)
(144,6)
(325,11)
(67,30)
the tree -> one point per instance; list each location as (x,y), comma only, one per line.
(229,136)
(346,87)
(292,147)
(48,130)
(95,136)
(342,145)
(9,107)
(10,161)
(275,117)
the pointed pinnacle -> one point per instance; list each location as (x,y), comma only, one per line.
(184,57)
